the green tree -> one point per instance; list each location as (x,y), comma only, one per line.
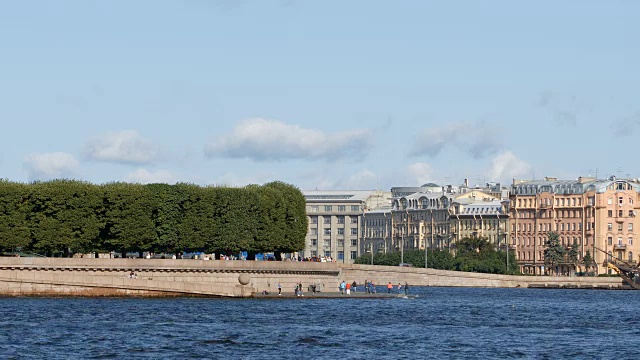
(572,255)
(296,222)
(587,261)
(64,217)
(14,207)
(129,223)
(554,253)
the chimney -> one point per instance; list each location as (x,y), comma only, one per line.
(466,182)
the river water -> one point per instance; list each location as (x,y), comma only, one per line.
(440,323)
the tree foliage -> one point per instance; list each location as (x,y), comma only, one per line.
(66,216)
(472,255)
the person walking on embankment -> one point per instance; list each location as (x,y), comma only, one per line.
(348,286)
(389,287)
(406,288)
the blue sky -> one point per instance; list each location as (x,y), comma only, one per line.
(320,94)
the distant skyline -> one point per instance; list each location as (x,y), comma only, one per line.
(320,94)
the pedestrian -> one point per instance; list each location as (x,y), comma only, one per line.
(279,289)
(300,288)
(399,287)
(348,289)
(406,288)
(313,288)
(343,286)
(373,287)
(389,287)
(354,286)
(366,287)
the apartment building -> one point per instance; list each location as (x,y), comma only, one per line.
(435,219)
(597,215)
(335,221)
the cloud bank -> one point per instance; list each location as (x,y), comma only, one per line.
(271,140)
(479,139)
(125,146)
(50,166)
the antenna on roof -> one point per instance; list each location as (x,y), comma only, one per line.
(596,173)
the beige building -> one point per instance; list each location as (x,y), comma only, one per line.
(436,220)
(598,215)
(335,222)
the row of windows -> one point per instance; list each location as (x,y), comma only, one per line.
(629,241)
(327,219)
(541,240)
(327,242)
(620,213)
(327,253)
(341,208)
(340,231)
(574,201)
(544,227)
(620,226)
(620,201)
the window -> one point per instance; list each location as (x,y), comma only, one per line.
(620,227)
(630,213)
(355,208)
(354,231)
(354,242)
(630,227)
(354,219)
(314,208)
(630,241)
(610,201)
(609,213)
(630,257)
(326,220)
(340,219)
(314,253)
(340,255)
(620,241)
(327,253)
(340,242)
(340,231)
(342,208)
(619,213)
(314,242)
(609,227)
(314,231)
(314,219)
(631,201)
(327,231)
(620,200)
(609,240)
(354,255)
(327,242)
(328,208)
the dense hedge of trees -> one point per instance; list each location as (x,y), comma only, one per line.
(471,254)
(66,216)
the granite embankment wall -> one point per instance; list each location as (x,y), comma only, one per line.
(155,277)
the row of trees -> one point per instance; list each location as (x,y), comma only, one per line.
(78,217)
(472,254)
(556,255)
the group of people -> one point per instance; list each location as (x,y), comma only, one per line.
(390,288)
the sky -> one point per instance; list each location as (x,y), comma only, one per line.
(327,95)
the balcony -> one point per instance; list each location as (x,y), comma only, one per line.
(620,247)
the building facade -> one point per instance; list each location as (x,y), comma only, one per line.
(597,215)
(336,222)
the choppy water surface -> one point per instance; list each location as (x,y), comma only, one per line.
(440,323)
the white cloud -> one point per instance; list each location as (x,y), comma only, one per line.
(264,140)
(125,146)
(362,180)
(50,166)
(421,172)
(144,176)
(478,139)
(506,167)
